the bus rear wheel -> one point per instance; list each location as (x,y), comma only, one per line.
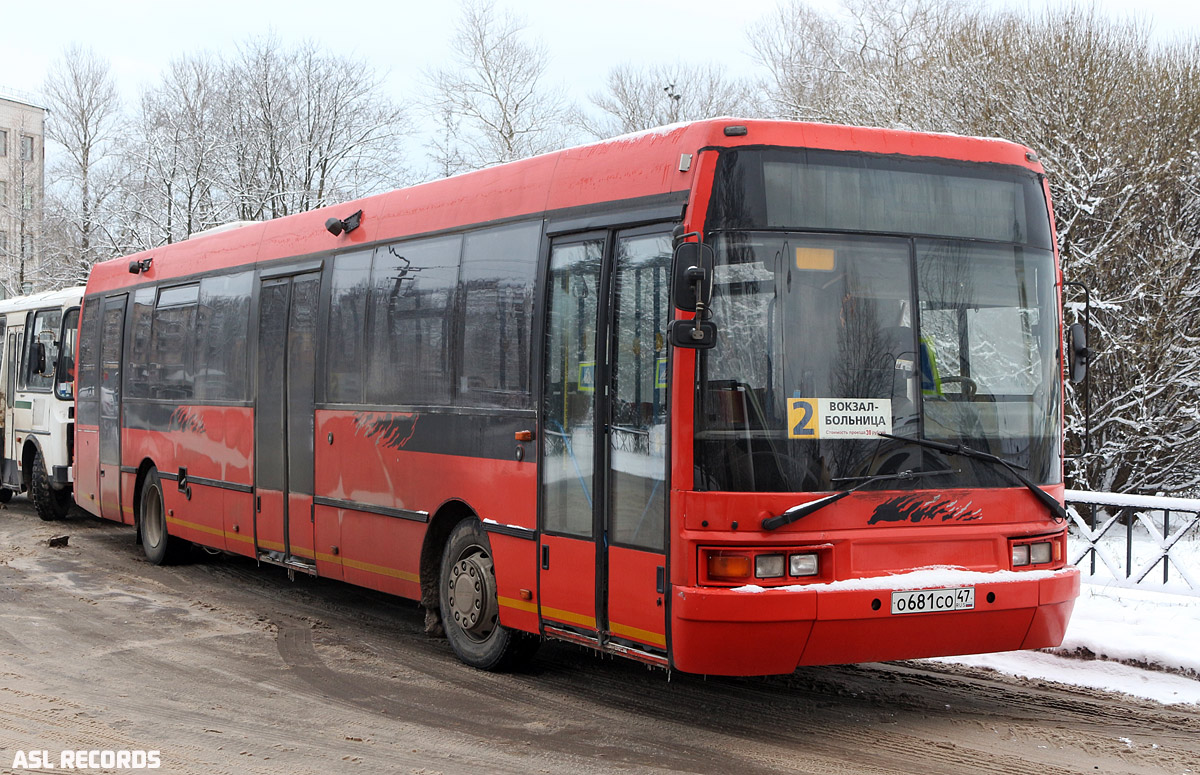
(469,605)
(160,546)
(51,504)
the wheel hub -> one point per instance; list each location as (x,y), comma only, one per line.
(472,595)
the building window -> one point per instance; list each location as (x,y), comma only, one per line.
(3,142)
(26,148)
(3,193)
(26,246)
(27,198)
(3,243)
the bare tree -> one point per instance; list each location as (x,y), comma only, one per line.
(641,98)
(873,62)
(84,115)
(493,98)
(1115,119)
(306,128)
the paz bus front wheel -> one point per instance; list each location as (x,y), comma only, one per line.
(51,504)
(160,546)
(469,606)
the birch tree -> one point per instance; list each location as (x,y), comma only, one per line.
(84,119)
(493,98)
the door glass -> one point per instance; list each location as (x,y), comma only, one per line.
(638,435)
(570,390)
(110,380)
(269,433)
(301,379)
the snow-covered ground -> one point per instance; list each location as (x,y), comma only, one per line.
(1112,632)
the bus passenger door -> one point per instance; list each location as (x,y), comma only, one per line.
(111,338)
(569,512)
(603,488)
(283,418)
(636,460)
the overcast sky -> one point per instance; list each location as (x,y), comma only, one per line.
(139,37)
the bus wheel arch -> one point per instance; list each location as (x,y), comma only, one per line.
(437,534)
(469,605)
(161,548)
(51,503)
(139,480)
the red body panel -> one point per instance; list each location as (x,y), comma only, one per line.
(774,631)
(87,468)
(569,584)
(636,610)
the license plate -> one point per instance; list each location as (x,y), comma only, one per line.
(926,601)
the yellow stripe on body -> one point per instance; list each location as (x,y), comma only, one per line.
(570,616)
(655,638)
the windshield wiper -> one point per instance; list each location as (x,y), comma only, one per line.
(1056,509)
(796,513)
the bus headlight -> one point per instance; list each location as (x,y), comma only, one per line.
(768,566)
(1020,555)
(803,565)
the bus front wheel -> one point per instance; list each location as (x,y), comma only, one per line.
(51,504)
(469,605)
(160,546)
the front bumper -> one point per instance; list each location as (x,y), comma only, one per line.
(755,631)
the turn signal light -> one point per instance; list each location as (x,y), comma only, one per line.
(729,566)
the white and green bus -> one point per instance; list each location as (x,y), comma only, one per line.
(37,377)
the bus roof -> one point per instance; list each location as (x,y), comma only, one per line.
(61,298)
(641,166)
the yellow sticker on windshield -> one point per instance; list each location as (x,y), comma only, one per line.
(816,259)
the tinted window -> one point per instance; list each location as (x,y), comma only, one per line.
(222,325)
(412,322)
(831,191)
(138,381)
(88,399)
(497,290)
(172,343)
(347,324)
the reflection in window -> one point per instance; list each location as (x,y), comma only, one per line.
(638,426)
(347,324)
(412,322)
(222,327)
(173,343)
(496,283)
(88,400)
(569,397)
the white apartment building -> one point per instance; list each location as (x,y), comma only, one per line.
(22,184)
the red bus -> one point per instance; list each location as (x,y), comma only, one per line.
(727,397)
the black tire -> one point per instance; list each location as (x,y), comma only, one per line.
(5,495)
(51,504)
(470,611)
(160,546)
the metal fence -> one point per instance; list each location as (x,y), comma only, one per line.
(1132,540)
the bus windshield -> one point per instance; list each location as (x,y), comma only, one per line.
(828,339)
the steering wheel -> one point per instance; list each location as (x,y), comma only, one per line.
(969,386)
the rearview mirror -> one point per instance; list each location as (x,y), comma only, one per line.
(692,275)
(1077,353)
(37,358)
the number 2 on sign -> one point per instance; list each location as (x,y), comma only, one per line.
(802,418)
